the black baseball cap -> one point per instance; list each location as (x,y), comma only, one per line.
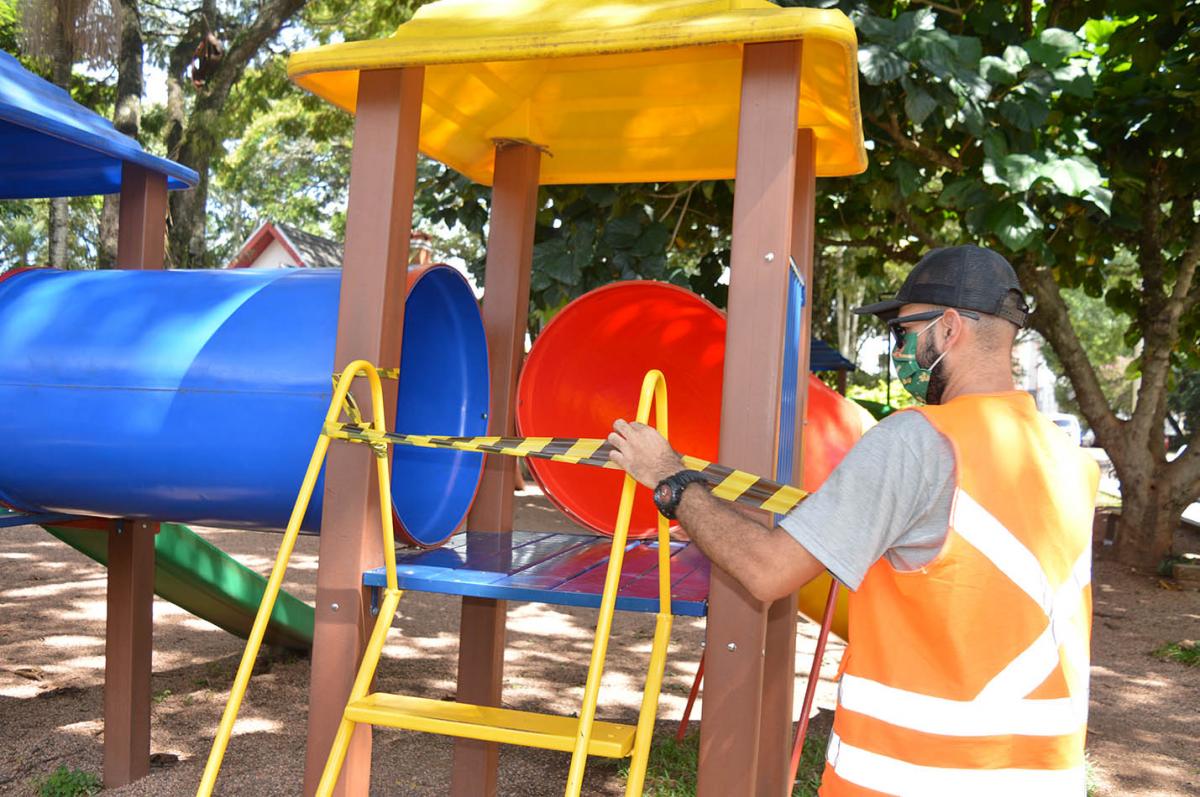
(964,277)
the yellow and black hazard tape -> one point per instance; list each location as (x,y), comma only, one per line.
(725,482)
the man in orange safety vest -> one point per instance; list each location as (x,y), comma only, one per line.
(969,565)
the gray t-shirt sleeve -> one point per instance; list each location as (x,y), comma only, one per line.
(890,497)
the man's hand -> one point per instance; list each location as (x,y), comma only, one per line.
(643,453)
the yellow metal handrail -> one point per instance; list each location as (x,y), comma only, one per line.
(357,368)
(653,394)
(654,391)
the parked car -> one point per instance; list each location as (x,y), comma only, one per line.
(1070,425)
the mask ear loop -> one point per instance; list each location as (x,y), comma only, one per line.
(940,356)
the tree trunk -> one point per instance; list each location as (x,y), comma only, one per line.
(1148,521)
(61,62)
(59,228)
(127,116)
(194,138)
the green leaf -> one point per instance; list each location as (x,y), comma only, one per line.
(997,70)
(553,259)
(1016,57)
(908,176)
(1073,79)
(623,232)
(1052,46)
(918,104)
(1014,223)
(876,28)
(879,64)
(972,116)
(1099,196)
(1019,171)
(963,192)
(968,49)
(1025,109)
(995,146)
(1072,176)
(1098,31)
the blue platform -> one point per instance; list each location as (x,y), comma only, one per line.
(561,569)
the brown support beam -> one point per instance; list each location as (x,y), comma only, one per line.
(128,651)
(383,169)
(142,220)
(505,314)
(779,663)
(732,748)
(129,633)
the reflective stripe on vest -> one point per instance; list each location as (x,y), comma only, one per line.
(893,776)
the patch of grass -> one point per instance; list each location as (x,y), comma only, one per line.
(1185,652)
(671,770)
(64,782)
(160,696)
(1090,774)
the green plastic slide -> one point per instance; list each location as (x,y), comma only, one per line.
(198,576)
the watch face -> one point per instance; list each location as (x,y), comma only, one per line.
(662,493)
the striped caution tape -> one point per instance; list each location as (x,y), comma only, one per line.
(725,482)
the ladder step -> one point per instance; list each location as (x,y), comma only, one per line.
(489,724)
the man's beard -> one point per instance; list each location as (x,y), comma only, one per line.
(926,356)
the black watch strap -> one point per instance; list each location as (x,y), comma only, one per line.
(669,491)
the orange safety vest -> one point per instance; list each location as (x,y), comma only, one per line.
(969,677)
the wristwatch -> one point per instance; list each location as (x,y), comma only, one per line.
(669,491)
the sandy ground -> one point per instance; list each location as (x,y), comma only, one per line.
(1143,727)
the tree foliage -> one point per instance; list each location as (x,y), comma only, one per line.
(1058,134)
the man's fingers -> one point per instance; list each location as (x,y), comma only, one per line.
(622,426)
(617,458)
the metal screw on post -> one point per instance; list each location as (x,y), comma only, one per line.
(334,606)
(731,647)
(769,256)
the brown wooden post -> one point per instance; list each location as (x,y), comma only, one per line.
(505,314)
(370,322)
(779,663)
(129,637)
(732,746)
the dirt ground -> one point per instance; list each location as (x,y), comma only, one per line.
(1142,735)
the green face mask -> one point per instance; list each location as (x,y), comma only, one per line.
(914,378)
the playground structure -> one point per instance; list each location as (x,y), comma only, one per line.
(519,94)
(772,101)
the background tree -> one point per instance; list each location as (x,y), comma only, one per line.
(61,33)
(1059,134)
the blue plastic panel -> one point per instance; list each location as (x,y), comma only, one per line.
(560,569)
(52,146)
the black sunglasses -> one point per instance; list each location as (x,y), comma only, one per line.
(898,330)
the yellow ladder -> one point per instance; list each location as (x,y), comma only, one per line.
(582,736)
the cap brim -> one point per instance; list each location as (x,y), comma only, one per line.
(885,310)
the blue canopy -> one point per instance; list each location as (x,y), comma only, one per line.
(823,357)
(52,146)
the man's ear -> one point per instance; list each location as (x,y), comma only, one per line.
(952,326)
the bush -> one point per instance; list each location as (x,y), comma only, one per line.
(64,782)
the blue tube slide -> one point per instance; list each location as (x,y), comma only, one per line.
(197,396)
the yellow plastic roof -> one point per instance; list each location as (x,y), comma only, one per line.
(616,91)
